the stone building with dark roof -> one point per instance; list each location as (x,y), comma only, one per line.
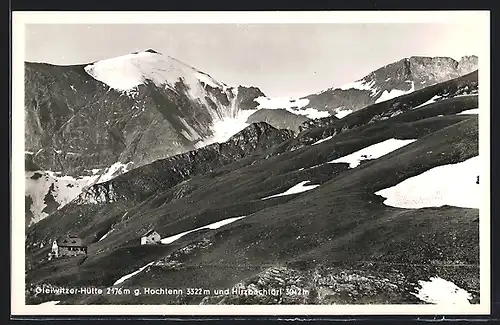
(150,237)
(69,245)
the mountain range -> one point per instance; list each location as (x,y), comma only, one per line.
(86,124)
(250,192)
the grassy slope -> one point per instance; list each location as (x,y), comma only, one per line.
(340,224)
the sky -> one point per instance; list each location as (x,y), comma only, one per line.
(283,60)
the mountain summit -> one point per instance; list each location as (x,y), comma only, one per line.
(124,73)
(89,123)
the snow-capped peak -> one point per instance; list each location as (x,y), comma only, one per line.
(128,71)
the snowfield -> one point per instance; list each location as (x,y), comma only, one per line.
(281,102)
(112,171)
(105,235)
(228,126)
(470,111)
(291,105)
(126,72)
(298,188)
(442,292)
(430,101)
(343,113)
(128,276)
(386,95)
(53,302)
(311,113)
(372,152)
(63,189)
(322,140)
(453,185)
(212,226)
(360,85)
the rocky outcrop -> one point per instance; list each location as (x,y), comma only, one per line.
(467,64)
(282,285)
(246,97)
(278,118)
(143,181)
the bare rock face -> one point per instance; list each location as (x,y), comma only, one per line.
(246,97)
(427,71)
(286,286)
(467,64)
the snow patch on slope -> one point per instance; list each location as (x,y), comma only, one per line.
(189,132)
(281,102)
(291,105)
(387,95)
(212,226)
(442,292)
(128,276)
(113,171)
(343,113)
(105,235)
(311,113)
(226,127)
(470,111)
(298,188)
(430,101)
(453,184)
(322,140)
(372,152)
(52,302)
(360,85)
(63,188)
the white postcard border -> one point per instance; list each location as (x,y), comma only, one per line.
(20,19)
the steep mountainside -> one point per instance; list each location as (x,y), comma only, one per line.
(131,109)
(306,215)
(390,81)
(87,123)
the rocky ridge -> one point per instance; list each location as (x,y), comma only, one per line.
(390,81)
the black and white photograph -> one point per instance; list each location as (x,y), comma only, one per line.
(198,159)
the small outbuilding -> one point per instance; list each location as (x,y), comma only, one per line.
(150,237)
(68,245)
